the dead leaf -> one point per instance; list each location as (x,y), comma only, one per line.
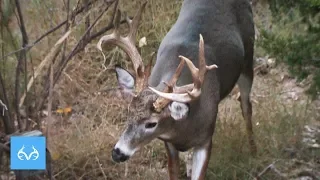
(64,111)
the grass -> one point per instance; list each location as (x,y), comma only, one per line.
(81,143)
(277,126)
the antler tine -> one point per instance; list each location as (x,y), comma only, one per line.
(127,44)
(202,60)
(175,77)
(147,71)
(134,24)
(203,68)
(189,92)
(161,102)
(194,72)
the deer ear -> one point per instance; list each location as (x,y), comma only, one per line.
(126,83)
(125,79)
(178,111)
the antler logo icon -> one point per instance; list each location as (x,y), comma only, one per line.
(21,154)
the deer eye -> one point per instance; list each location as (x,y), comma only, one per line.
(150,125)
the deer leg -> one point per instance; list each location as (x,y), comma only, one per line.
(173,161)
(189,164)
(187,158)
(245,83)
(201,156)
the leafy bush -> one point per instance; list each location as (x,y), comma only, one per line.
(295,39)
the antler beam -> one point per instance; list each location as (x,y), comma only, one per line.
(127,44)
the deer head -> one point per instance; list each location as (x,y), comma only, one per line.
(150,111)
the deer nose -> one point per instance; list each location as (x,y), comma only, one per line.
(118,156)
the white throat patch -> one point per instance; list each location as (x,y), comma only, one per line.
(178,110)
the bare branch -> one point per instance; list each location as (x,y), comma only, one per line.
(8,124)
(49,120)
(269,168)
(3,105)
(47,60)
(29,46)
(87,23)
(22,59)
(78,45)
(73,52)
(22,26)
(66,29)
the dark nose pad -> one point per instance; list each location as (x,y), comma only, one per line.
(118,156)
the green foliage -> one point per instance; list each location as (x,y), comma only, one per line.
(310,7)
(295,38)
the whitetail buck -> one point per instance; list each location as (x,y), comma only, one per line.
(179,104)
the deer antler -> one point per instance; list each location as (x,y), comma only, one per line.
(187,92)
(127,44)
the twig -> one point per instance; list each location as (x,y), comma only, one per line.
(79,45)
(99,33)
(47,60)
(110,25)
(8,124)
(74,52)
(126,169)
(50,101)
(264,171)
(64,169)
(87,23)
(267,169)
(4,107)
(21,23)
(81,40)
(66,29)
(99,164)
(107,89)
(22,59)
(29,46)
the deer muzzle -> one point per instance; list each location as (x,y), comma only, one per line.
(119,156)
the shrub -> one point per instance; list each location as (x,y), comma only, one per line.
(295,39)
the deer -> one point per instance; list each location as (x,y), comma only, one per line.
(206,53)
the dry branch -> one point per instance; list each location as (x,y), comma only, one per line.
(82,42)
(47,60)
(50,102)
(3,106)
(22,59)
(29,46)
(66,29)
(270,167)
(79,46)
(7,120)
(87,23)
(8,124)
